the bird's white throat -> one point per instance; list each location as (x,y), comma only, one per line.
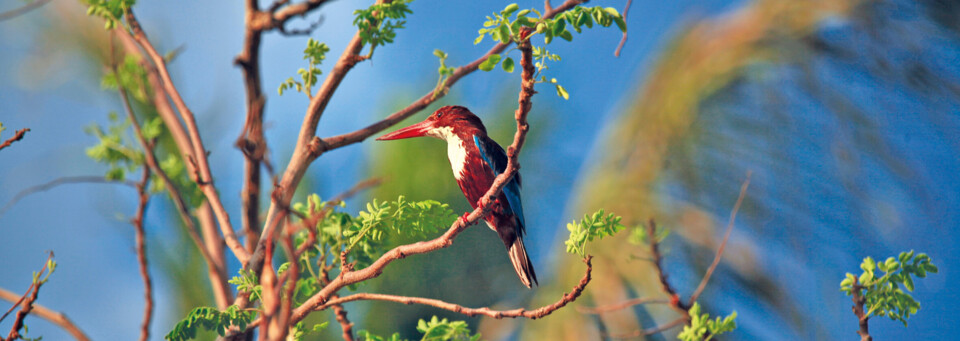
(456,151)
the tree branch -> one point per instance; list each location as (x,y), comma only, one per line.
(626,8)
(142,253)
(16,137)
(16,12)
(27,300)
(723,244)
(57,318)
(485,311)
(198,154)
(97,179)
(858,302)
(655,330)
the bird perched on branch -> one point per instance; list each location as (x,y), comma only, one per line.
(476,160)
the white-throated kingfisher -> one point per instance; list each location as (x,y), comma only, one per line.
(476,160)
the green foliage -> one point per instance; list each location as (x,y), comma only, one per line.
(209,318)
(700,325)
(444,330)
(378,24)
(130,75)
(2,128)
(639,235)
(882,291)
(114,148)
(110,10)
(592,227)
(247,282)
(315,53)
(298,331)
(501,28)
(433,330)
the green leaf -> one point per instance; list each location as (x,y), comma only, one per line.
(562,92)
(490,63)
(508,65)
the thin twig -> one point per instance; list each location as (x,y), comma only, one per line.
(623,40)
(138,222)
(657,259)
(16,12)
(723,244)
(26,303)
(16,137)
(92,179)
(622,305)
(57,318)
(567,298)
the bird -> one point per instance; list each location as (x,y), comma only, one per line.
(476,160)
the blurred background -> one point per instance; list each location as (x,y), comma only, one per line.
(845,112)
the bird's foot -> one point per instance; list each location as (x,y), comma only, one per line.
(463,219)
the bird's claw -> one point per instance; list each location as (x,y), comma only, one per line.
(463,219)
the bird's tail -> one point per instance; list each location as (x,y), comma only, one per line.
(521,263)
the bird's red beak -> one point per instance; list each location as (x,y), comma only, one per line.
(416,130)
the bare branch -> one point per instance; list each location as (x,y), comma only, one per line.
(204,179)
(57,318)
(657,259)
(142,253)
(16,137)
(626,8)
(723,244)
(485,311)
(16,12)
(95,179)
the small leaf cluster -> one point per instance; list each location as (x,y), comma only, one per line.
(639,235)
(247,282)
(700,325)
(130,75)
(378,23)
(115,148)
(209,318)
(444,71)
(110,10)
(880,284)
(298,332)
(434,330)
(315,53)
(591,227)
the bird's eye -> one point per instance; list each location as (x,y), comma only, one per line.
(439,114)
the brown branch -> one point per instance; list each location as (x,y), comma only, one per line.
(204,178)
(657,259)
(16,137)
(567,298)
(623,40)
(57,318)
(96,179)
(723,244)
(142,253)
(622,305)
(27,300)
(216,266)
(16,12)
(858,302)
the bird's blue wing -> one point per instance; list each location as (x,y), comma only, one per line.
(493,154)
